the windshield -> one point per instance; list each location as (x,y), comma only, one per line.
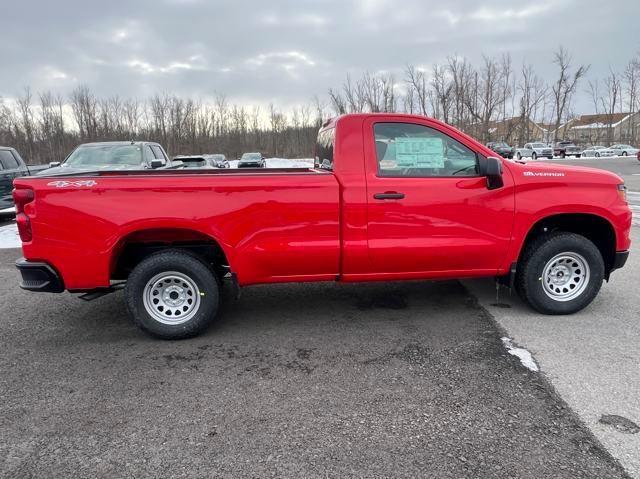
(251,156)
(500,144)
(104,155)
(538,145)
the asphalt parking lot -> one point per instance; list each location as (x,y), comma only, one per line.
(324,380)
(592,357)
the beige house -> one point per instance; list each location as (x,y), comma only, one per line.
(516,131)
(602,129)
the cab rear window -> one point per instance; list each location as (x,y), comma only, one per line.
(324,149)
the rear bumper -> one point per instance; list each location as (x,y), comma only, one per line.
(39,277)
(620,260)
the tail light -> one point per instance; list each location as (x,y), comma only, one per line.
(23,198)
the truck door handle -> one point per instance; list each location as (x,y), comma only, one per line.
(388,195)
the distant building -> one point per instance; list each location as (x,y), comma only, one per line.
(516,131)
(602,129)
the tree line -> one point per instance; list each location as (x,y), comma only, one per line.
(46,126)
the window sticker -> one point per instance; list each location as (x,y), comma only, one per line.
(419,152)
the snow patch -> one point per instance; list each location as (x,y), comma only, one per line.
(287,163)
(525,356)
(9,237)
(281,163)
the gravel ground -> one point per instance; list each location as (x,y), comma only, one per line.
(325,380)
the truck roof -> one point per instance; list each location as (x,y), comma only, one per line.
(331,122)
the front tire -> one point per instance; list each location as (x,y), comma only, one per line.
(534,155)
(172,295)
(560,273)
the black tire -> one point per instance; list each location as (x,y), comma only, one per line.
(529,277)
(578,156)
(563,155)
(534,156)
(519,156)
(597,155)
(624,153)
(204,287)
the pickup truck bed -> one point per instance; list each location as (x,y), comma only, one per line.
(281,225)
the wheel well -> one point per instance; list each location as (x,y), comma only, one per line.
(136,246)
(595,228)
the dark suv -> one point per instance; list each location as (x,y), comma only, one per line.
(11,166)
(501,148)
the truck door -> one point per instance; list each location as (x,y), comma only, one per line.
(429,212)
(9,169)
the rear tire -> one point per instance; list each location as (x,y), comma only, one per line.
(624,153)
(172,295)
(560,273)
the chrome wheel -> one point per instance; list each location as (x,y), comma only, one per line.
(171,297)
(565,276)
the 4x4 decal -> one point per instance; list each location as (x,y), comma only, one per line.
(66,184)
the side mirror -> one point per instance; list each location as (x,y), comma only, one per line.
(157,163)
(54,164)
(491,168)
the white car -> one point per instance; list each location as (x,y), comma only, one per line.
(624,150)
(596,151)
(534,151)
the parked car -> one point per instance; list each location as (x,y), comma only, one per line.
(12,166)
(112,155)
(203,161)
(366,211)
(218,160)
(252,160)
(534,151)
(594,151)
(501,148)
(192,161)
(624,150)
(566,148)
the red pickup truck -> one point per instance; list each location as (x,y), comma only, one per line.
(390,197)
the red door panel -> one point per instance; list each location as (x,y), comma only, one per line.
(440,224)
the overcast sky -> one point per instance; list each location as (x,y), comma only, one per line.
(286,51)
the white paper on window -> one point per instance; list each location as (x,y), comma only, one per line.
(420,152)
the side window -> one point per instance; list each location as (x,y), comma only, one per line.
(19,160)
(148,154)
(324,149)
(157,151)
(7,160)
(411,150)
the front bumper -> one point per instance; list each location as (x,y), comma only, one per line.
(620,260)
(39,277)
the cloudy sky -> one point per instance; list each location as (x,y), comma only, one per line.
(286,51)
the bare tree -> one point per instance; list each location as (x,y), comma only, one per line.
(532,95)
(565,86)
(631,78)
